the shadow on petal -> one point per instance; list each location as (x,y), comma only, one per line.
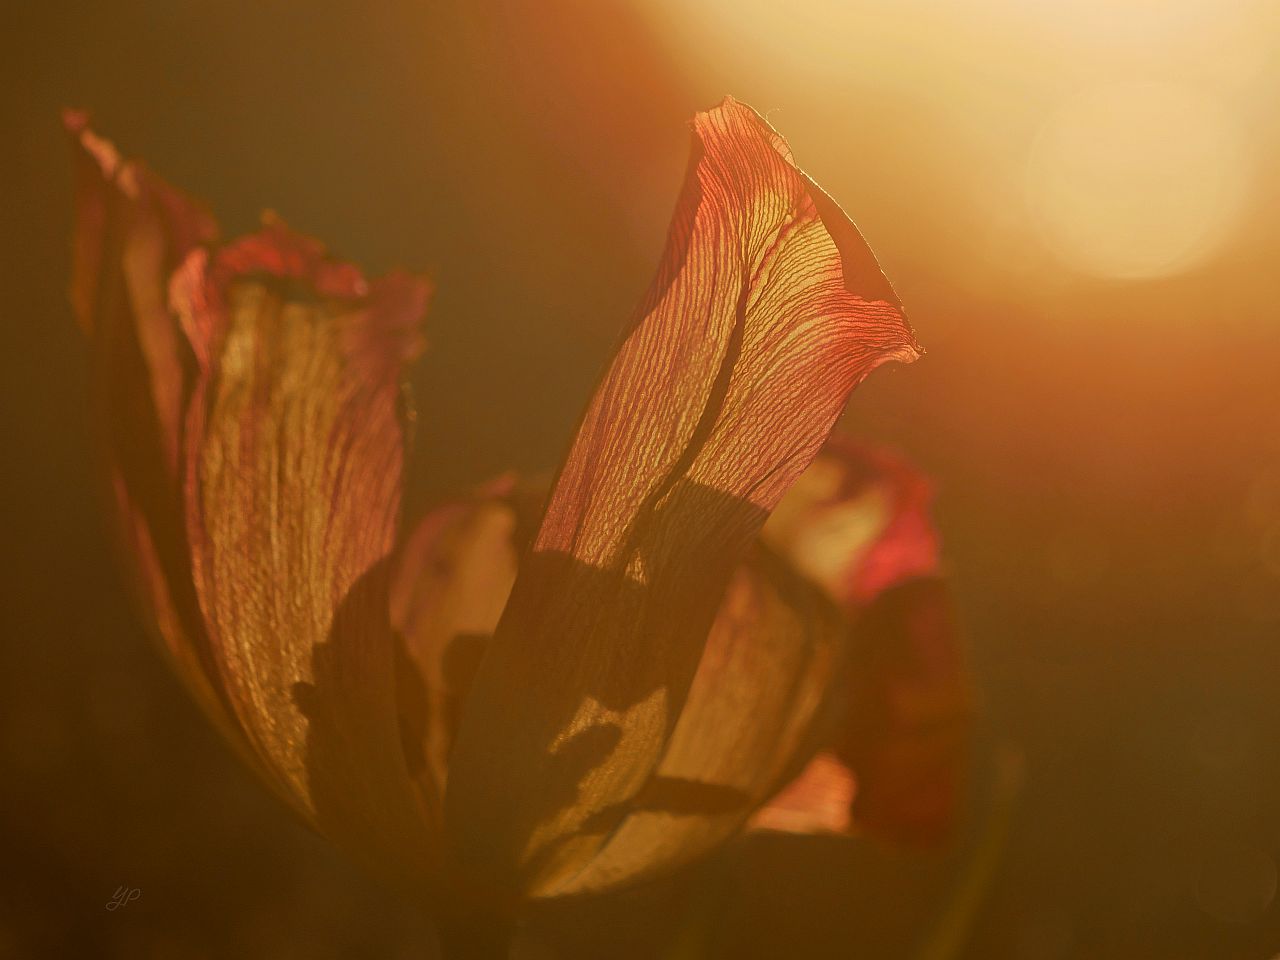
(354,763)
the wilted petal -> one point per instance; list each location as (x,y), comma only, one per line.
(896,769)
(130,231)
(767,310)
(294,459)
(897,764)
(752,709)
(769,659)
(820,800)
(856,523)
(451,584)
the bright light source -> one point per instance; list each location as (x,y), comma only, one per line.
(1137,179)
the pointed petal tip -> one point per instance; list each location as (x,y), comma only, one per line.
(730,102)
(275,250)
(863,277)
(100,150)
(74,119)
(909,352)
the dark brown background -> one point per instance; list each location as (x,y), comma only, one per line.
(1107,458)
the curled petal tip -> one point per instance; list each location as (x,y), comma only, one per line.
(390,309)
(277,251)
(860,271)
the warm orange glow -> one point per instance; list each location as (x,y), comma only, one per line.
(1094,138)
(1057,653)
(1137,180)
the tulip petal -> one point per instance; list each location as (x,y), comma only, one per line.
(858,525)
(754,706)
(820,800)
(896,770)
(768,308)
(451,585)
(131,229)
(769,660)
(294,459)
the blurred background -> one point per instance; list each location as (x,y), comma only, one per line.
(1079,204)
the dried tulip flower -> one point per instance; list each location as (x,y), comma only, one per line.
(533,695)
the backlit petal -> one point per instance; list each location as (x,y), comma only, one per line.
(858,524)
(753,709)
(294,459)
(897,766)
(130,231)
(768,308)
(820,800)
(451,584)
